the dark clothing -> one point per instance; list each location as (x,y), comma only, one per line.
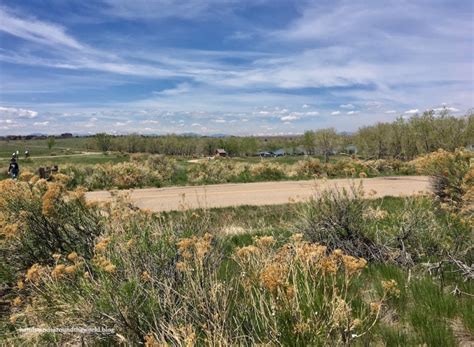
(14,169)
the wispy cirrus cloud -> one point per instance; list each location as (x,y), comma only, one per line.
(35,30)
(128,64)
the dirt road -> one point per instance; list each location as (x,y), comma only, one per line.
(261,193)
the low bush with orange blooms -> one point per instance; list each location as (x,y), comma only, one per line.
(42,218)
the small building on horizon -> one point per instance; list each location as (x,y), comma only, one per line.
(220,152)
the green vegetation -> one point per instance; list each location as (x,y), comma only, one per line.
(387,271)
(51,142)
(402,139)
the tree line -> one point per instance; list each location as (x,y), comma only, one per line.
(402,139)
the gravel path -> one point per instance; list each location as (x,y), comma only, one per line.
(261,193)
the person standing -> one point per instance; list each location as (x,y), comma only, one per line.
(13,169)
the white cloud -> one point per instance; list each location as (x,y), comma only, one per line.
(36,31)
(335,113)
(149,121)
(305,106)
(17,112)
(312,113)
(289,117)
(121,124)
(347,106)
(179,89)
(390,111)
(220,121)
(444,108)
(412,111)
(352,112)
(41,123)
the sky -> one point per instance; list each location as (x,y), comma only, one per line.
(256,67)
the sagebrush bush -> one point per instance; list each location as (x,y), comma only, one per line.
(448,171)
(310,167)
(214,171)
(40,219)
(268,171)
(152,171)
(335,218)
(419,231)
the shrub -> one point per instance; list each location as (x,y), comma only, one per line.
(448,171)
(420,232)
(41,219)
(335,218)
(268,171)
(215,171)
(309,168)
(153,172)
(281,288)
(415,232)
(165,166)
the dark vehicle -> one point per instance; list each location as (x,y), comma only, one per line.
(265,154)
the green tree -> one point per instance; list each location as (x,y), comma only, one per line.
(308,142)
(326,141)
(103,141)
(423,127)
(51,142)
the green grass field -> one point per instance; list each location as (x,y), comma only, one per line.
(33,163)
(40,147)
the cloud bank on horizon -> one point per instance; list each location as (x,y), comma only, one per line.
(230,66)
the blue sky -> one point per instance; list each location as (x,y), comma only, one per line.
(228,66)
